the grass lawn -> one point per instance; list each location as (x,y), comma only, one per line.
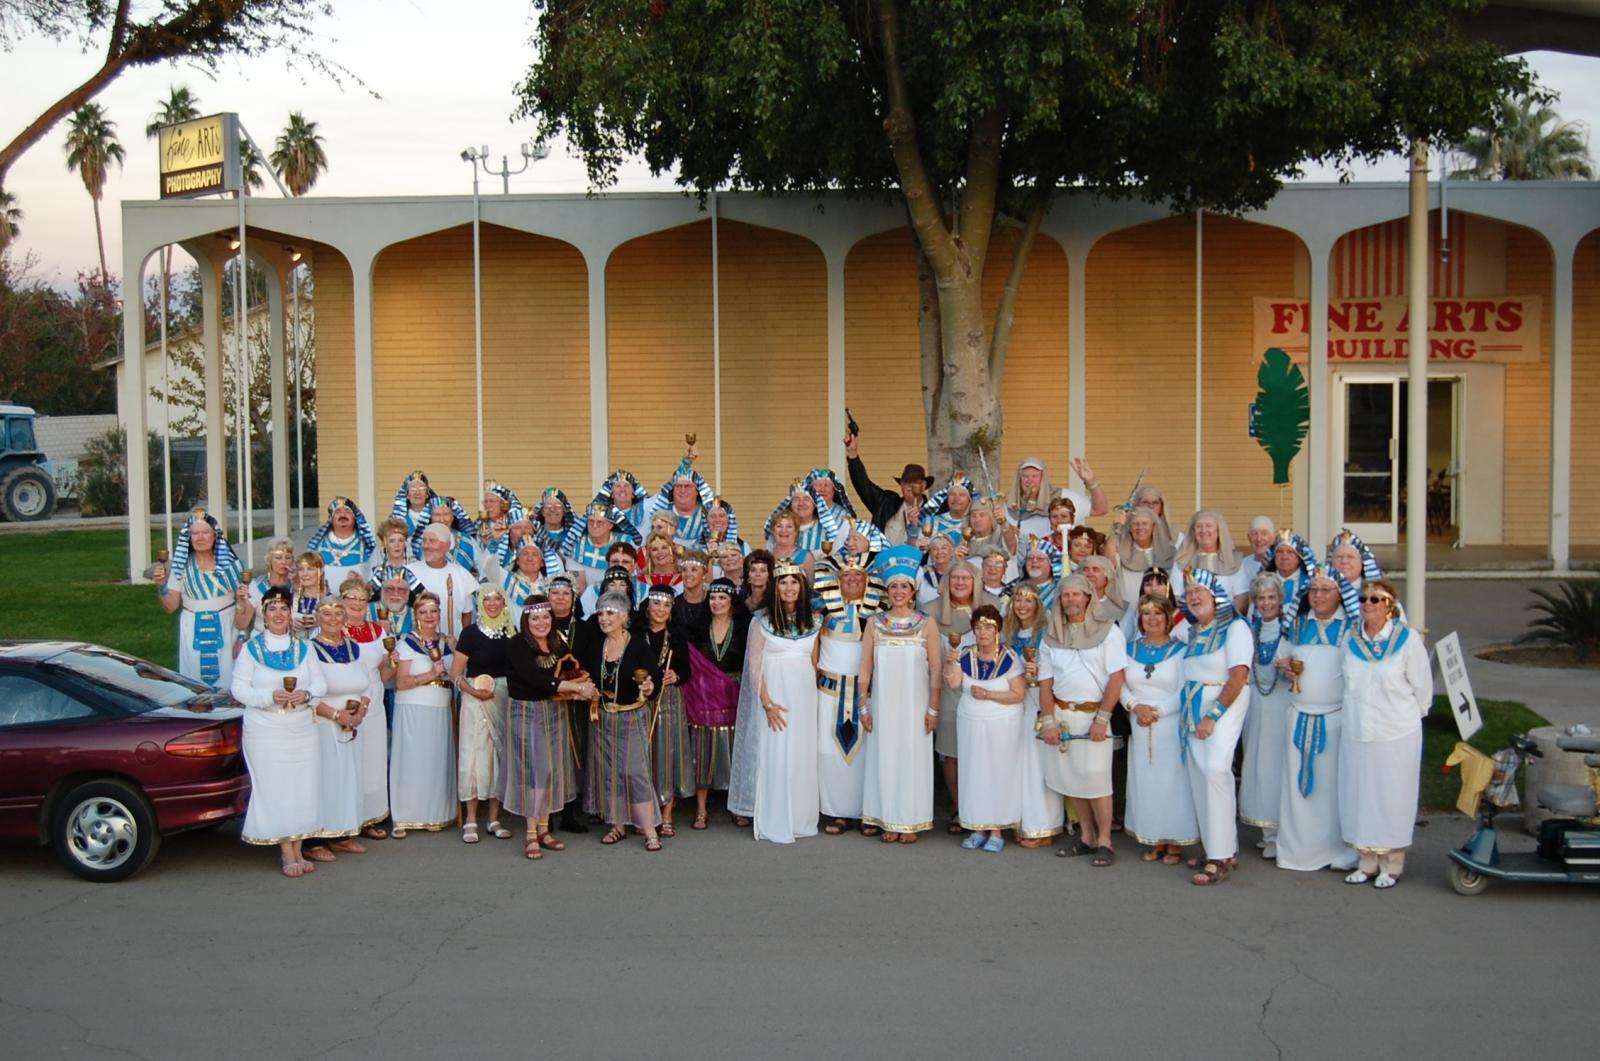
(69,584)
(1501,719)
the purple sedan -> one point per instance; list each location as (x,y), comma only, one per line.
(103,754)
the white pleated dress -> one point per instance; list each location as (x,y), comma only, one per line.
(1309,836)
(1385,699)
(422,763)
(898,793)
(787,804)
(1261,778)
(1210,761)
(1044,813)
(841,776)
(349,672)
(280,744)
(990,766)
(1160,806)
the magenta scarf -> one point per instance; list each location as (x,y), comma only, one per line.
(710,697)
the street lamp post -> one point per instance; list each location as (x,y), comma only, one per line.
(474,156)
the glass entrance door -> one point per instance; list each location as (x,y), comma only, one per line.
(1371,459)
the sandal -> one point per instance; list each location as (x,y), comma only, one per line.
(615,833)
(835,827)
(530,848)
(1358,877)
(1385,881)
(1201,862)
(1103,856)
(397,833)
(498,831)
(469,833)
(307,867)
(374,832)
(741,821)
(666,830)
(1172,857)
(954,828)
(652,843)
(293,869)
(910,838)
(320,854)
(699,821)
(1212,873)
(551,843)
(890,838)
(349,846)
(1077,849)
(870,830)
(1151,854)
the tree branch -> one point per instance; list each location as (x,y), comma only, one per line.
(119,30)
(58,110)
(921,196)
(1006,313)
(983,179)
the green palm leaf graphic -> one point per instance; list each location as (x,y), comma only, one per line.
(1283,410)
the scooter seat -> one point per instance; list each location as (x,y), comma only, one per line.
(1572,801)
(1582,743)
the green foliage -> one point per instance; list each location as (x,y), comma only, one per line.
(50,341)
(1569,617)
(1283,410)
(103,477)
(1517,145)
(71,584)
(298,154)
(1501,720)
(1199,103)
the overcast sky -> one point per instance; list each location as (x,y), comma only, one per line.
(445,70)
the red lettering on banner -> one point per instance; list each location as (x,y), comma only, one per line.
(1446,317)
(1367,319)
(1283,315)
(1508,316)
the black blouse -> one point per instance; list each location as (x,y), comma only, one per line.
(616,681)
(732,661)
(532,674)
(679,646)
(485,654)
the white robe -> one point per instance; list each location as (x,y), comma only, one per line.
(1081,768)
(1211,760)
(991,739)
(898,796)
(787,803)
(1261,778)
(1309,836)
(280,746)
(422,763)
(222,603)
(1160,806)
(841,782)
(343,764)
(1379,768)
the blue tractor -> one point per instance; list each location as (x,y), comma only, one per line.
(27,492)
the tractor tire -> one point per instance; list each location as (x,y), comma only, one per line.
(27,494)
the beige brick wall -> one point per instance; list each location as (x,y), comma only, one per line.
(1140,372)
(1527,417)
(1586,393)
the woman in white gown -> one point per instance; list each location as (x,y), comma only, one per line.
(1216,698)
(204,581)
(275,679)
(422,764)
(1160,807)
(353,681)
(1043,813)
(900,666)
(1261,779)
(992,683)
(1388,689)
(775,762)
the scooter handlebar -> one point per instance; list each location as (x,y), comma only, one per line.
(1578,744)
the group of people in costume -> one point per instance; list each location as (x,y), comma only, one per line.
(605,666)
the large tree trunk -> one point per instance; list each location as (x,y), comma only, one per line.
(967,420)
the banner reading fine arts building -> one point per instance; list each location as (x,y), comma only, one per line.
(1496,329)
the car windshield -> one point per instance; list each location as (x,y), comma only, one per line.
(133,684)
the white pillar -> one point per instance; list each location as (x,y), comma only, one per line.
(1561,408)
(279,398)
(1199,352)
(132,399)
(599,416)
(834,259)
(1417,248)
(215,376)
(1319,450)
(1077,352)
(716,345)
(366,396)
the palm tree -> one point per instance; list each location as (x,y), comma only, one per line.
(91,147)
(10,218)
(250,165)
(1519,147)
(297,154)
(181,105)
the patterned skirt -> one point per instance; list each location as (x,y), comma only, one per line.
(671,751)
(539,774)
(713,755)
(619,787)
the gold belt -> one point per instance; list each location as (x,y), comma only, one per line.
(617,709)
(1079,705)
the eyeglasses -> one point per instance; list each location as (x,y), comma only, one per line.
(351,596)
(1373,598)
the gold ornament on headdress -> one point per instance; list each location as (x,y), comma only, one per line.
(785,567)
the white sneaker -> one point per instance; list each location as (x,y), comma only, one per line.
(1385,881)
(1357,878)
(1270,849)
